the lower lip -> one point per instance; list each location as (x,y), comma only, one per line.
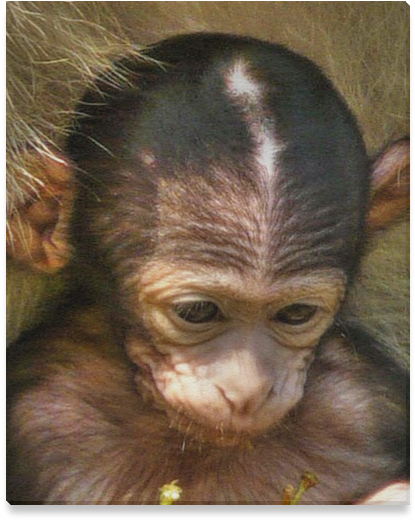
(201,433)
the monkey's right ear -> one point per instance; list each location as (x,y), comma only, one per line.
(37,231)
(390,186)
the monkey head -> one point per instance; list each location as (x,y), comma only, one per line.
(221,192)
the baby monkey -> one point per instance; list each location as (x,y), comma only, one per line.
(218,201)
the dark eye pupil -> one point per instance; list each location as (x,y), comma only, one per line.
(296,314)
(197,312)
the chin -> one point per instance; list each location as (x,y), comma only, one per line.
(197,434)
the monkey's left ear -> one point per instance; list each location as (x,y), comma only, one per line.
(390,186)
(37,231)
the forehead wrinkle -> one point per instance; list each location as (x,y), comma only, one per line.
(214,219)
(161,282)
(212,206)
(239,226)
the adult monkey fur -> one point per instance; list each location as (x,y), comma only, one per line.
(220,199)
(385,14)
(54,49)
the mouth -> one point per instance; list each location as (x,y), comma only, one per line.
(196,433)
(193,430)
(197,436)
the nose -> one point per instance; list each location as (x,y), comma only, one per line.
(246,397)
(244,374)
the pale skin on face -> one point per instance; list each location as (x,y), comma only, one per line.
(243,369)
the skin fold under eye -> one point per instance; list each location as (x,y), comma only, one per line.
(197,312)
(295,314)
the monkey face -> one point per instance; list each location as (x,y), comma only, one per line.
(225,363)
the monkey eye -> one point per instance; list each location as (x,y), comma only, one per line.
(296,314)
(197,312)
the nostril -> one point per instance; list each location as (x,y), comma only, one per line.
(245,405)
(270,391)
(227,399)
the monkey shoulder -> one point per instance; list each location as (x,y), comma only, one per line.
(339,426)
(353,371)
(353,355)
(352,386)
(65,344)
(74,413)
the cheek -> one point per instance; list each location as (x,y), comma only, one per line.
(289,385)
(184,379)
(292,372)
(188,387)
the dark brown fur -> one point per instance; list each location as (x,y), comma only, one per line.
(83,435)
(233,458)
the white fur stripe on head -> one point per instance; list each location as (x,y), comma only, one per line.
(248,94)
